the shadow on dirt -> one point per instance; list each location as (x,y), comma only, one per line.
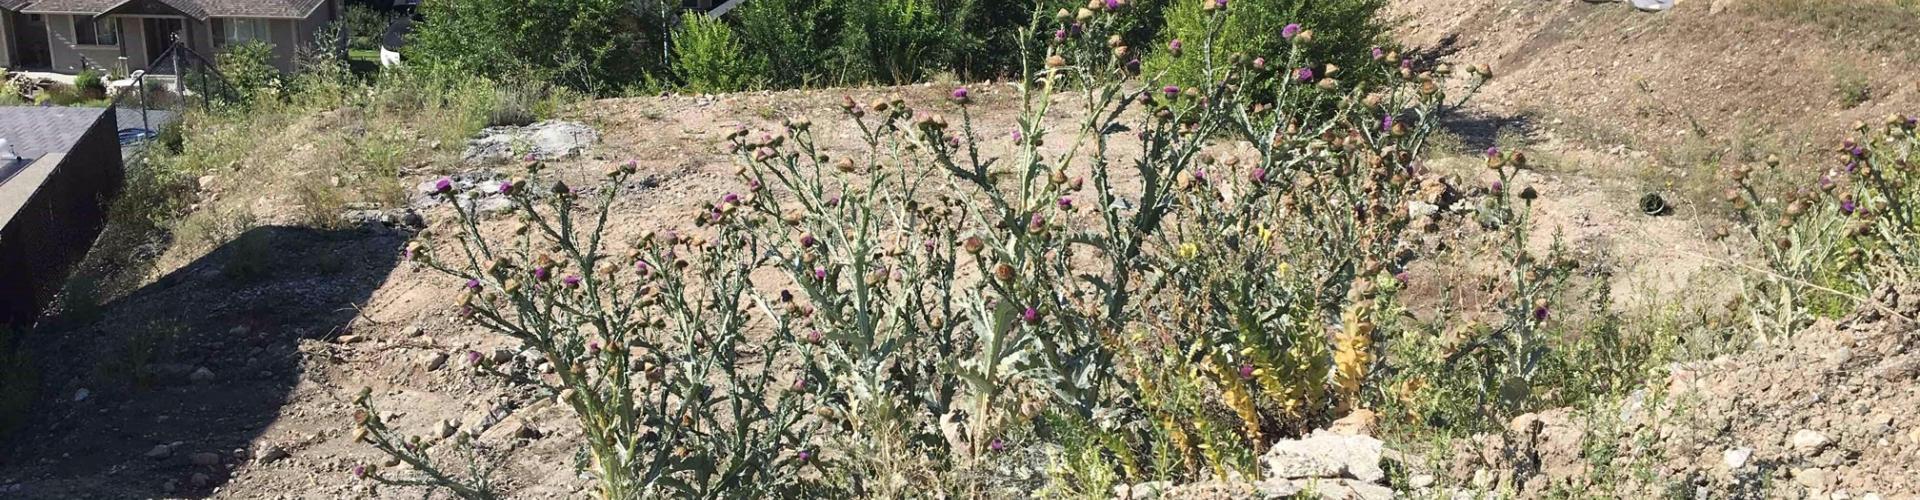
(161,394)
(1479,131)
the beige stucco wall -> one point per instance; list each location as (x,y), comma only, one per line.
(69,57)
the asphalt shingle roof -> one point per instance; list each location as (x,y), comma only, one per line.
(200,9)
(35,131)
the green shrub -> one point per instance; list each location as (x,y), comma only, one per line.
(707,57)
(596,46)
(249,69)
(365,27)
(1342,33)
(90,82)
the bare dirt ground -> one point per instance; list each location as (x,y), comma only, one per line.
(239,376)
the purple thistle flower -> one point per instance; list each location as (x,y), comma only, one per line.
(1246,371)
(814,336)
(506,188)
(1031,315)
(1495,187)
(807,241)
(1017,136)
(730,198)
(1174,46)
(1306,74)
(1259,63)
(996,445)
(540,273)
(804,455)
(961,95)
(1258,175)
(1171,90)
(1290,31)
(1847,207)
(1858,152)
(1386,122)
(1403,278)
(443,185)
(1853,166)
(1406,64)
(359,472)
(1113,4)
(786,296)
(820,274)
(473,357)
(572,281)
(1066,203)
(1075,29)
(800,384)
(1540,313)
(1493,151)
(473,284)
(1221,3)
(1379,54)
(593,347)
(1060,35)
(642,267)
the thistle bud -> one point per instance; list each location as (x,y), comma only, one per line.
(1003,272)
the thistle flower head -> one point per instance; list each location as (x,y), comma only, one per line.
(820,274)
(996,445)
(1259,63)
(1246,371)
(1540,313)
(1290,30)
(1848,206)
(814,336)
(1066,203)
(572,281)
(808,241)
(1379,53)
(1030,315)
(473,284)
(444,185)
(506,188)
(1258,175)
(1173,47)
(730,198)
(962,96)
(473,357)
(804,455)
(1305,74)
(1171,90)
(359,472)
(541,273)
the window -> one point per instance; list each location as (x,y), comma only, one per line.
(96,31)
(247,30)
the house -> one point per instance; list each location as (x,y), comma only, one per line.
(67,36)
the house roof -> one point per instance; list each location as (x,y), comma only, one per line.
(13,4)
(198,9)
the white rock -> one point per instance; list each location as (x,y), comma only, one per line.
(1736,458)
(201,376)
(160,451)
(1420,481)
(1809,441)
(1359,455)
(81,395)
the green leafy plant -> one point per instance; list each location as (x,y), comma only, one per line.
(708,57)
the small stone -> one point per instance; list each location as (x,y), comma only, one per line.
(502,356)
(201,376)
(271,454)
(510,429)
(347,339)
(1420,481)
(199,480)
(205,459)
(81,395)
(447,429)
(160,451)
(1815,479)
(1284,464)
(1149,489)
(1810,441)
(1736,458)
(435,361)
(238,330)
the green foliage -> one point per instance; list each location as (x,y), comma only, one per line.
(595,46)
(365,27)
(249,69)
(91,82)
(1342,33)
(707,57)
(842,42)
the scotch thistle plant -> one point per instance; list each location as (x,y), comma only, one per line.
(1507,354)
(1826,245)
(647,341)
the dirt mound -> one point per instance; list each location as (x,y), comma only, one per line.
(1827,413)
